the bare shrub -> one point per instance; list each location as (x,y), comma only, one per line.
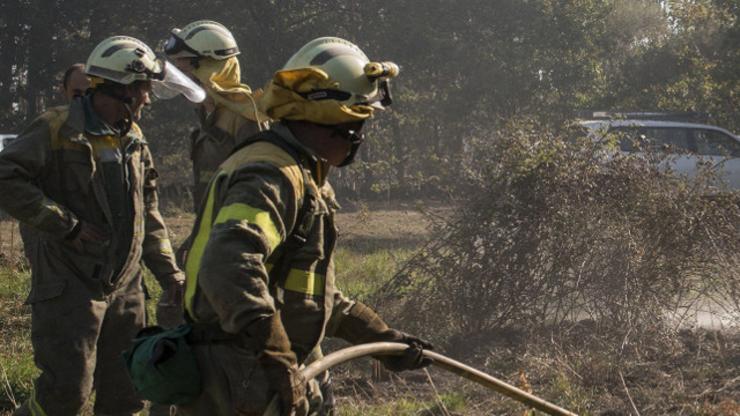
(553,228)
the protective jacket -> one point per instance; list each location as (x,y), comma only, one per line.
(212,142)
(264,241)
(52,178)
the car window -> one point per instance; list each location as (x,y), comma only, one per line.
(675,138)
(5,141)
(633,138)
(629,138)
(716,143)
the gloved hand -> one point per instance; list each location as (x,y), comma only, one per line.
(280,365)
(86,232)
(170,305)
(361,325)
(412,358)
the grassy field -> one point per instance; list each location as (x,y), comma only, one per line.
(697,376)
(371,245)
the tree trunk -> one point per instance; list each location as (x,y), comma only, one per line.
(41,55)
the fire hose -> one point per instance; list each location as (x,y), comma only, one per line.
(438,360)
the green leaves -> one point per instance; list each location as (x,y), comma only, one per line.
(467,67)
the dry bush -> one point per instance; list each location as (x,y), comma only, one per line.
(553,228)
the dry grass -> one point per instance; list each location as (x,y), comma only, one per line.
(574,365)
(373,244)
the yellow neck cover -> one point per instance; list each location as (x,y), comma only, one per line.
(222,82)
(282,99)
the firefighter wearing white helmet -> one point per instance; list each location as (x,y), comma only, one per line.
(202,39)
(207,52)
(83,179)
(125,69)
(260,271)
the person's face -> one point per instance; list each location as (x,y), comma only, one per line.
(77,84)
(139,93)
(185,65)
(340,142)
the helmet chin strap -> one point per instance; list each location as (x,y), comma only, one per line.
(351,156)
(356,140)
(123,125)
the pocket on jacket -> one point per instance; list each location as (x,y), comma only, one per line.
(45,291)
(247,384)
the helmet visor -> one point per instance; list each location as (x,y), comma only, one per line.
(174,83)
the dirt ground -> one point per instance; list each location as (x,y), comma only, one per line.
(698,376)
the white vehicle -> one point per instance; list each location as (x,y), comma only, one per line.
(692,143)
(6,139)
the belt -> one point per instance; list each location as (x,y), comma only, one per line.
(204,334)
(209,334)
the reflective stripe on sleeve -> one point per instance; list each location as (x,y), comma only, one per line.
(260,218)
(162,246)
(236,212)
(306,282)
(46,209)
(165,246)
(303,281)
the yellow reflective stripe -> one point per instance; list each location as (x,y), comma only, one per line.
(102,143)
(47,208)
(192,264)
(162,246)
(258,217)
(165,246)
(34,406)
(303,281)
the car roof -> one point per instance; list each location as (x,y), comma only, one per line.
(594,124)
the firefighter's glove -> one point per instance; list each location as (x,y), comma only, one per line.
(361,325)
(280,365)
(170,305)
(87,233)
(412,357)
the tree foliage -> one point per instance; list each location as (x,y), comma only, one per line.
(557,229)
(466,66)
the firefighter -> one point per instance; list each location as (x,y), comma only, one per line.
(207,52)
(75,82)
(260,287)
(82,178)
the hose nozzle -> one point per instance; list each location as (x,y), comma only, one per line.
(375,70)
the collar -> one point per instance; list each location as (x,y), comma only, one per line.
(319,167)
(94,124)
(288,136)
(76,117)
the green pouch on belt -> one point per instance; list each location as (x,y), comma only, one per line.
(163,367)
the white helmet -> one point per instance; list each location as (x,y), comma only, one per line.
(202,39)
(358,81)
(124,60)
